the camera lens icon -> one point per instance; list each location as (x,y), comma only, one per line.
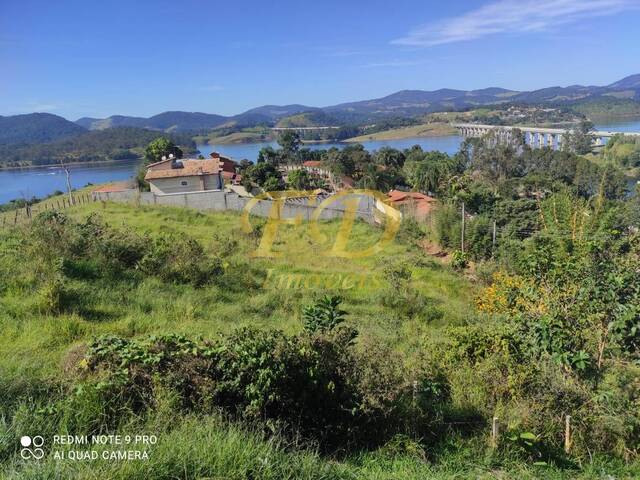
(31,447)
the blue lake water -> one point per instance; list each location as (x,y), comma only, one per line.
(40,182)
(631,125)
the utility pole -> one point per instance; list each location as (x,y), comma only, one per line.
(462,234)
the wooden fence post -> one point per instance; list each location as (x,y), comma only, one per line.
(495,432)
(567,434)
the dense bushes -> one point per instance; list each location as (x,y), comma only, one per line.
(313,383)
(403,298)
(93,246)
(491,372)
(180,260)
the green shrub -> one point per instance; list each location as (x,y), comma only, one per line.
(120,249)
(53,296)
(459,260)
(447,226)
(324,315)
(403,298)
(180,260)
(478,238)
(311,383)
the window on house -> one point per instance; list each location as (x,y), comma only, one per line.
(184,183)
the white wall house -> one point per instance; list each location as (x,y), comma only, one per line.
(183,176)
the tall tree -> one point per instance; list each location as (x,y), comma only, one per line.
(300,180)
(161,147)
(389,157)
(289,141)
(580,139)
(268,155)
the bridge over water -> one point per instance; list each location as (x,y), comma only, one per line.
(536,137)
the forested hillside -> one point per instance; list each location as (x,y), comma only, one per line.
(103,145)
(35,128)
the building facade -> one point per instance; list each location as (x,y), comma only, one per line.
(183,176)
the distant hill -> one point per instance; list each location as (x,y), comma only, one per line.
(117,143)
(630,82)
(418,102)
(267,115)
(402,104)
(36,128)
(166,121)
(316,118)
(112,122)
(276,112)
(184,121)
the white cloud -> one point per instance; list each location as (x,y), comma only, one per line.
(512,16)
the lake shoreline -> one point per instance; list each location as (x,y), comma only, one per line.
(425,130)
(72,164)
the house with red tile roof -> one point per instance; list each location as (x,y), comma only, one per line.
(115,187)
(172,175)
(415,204)
(229,169)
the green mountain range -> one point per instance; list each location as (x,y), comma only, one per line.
(621,97)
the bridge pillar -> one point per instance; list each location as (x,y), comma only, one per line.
(598,142)
(559,141)
(541,140)
(529,139)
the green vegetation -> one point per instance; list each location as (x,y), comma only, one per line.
(623,151)
(95,146)
(128,319)
(579,139)
(512,114)
(316,118)
(156,320)
(607,108)
(226,136)
(425,130)
(36,128)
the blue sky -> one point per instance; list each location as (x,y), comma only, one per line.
(140,57)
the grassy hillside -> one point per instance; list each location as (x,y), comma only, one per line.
(316,118)
(426,130)
(247,135)
(155,307)
(103,269)
(608,108)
